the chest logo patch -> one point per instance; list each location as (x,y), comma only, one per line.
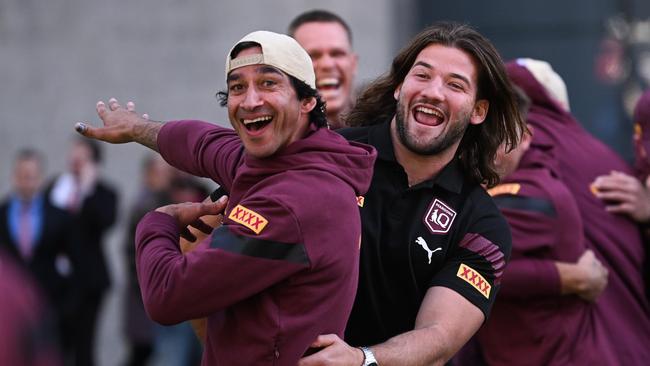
(248,218)
(469,275)
(439,217)
(423,243)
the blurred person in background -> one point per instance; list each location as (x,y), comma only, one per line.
(544,312)
(629,195)
(93,204)
(40,236)
(177,345)
(27,332)
(623,309)
(155,191)
(328,40)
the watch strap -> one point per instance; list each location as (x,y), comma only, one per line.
(368,357)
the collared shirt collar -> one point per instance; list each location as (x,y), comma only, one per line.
(451,177)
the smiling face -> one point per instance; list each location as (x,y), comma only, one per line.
(264,109)
(437,101)
(334,62)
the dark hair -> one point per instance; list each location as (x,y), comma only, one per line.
(95,149)
(317,116)
(315,16)
(523,101)
(479,144)
(29,153)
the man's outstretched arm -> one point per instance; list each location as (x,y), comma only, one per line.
(445,322)
(122,125)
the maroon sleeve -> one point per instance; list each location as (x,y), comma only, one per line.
(546,227)
(243,258)
(521,273)
(202,149)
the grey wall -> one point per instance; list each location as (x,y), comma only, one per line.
(59,57)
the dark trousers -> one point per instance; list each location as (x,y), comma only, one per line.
(80,329)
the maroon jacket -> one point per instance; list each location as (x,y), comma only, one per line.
(531,319)
(283,268)
(27,337)
(622,312)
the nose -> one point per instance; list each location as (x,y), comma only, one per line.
(251,100)
(434,89)
(325,62)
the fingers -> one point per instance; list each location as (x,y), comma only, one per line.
(623,208)
(187,235)
(113,104)
(615,196)
(100,107)
(325,340)
(130,106)
(202,226)
(145,116)
(214,208)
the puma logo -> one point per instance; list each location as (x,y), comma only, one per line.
(421,242)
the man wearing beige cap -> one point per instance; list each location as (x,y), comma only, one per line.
(283,267)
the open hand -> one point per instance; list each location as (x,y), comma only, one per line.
(119,123)
(624,194)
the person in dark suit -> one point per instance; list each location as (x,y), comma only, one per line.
(39,236)
(93,204)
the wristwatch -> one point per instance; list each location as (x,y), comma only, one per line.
(368,357)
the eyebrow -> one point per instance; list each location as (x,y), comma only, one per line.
(263,69)
(454,75)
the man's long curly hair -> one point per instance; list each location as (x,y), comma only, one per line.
(480,142)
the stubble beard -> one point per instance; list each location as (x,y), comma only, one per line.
(438,144)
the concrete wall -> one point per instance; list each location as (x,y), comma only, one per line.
(59,57)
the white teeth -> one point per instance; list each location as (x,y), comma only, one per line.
(258,119)
(327,82)
(429,111)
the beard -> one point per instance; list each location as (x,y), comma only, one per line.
(437,144)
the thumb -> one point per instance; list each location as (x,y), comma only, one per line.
(85,130)
(213,208)
(324,340)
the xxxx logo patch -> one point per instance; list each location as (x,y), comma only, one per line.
(469,275)
(248,218)
(508,188)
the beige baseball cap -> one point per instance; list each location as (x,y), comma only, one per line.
(550,80)
(279,51)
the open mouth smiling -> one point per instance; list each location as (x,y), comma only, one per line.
(428,116)
(256,124)
(328,84)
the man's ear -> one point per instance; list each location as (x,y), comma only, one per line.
(397,91)
(479,112)
(307,104)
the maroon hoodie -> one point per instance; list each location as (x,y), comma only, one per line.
(283,268)
(543,326)
(622,313)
